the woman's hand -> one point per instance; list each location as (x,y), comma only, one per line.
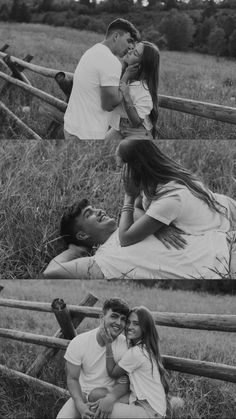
(130,187)
(130,72)
(105,334)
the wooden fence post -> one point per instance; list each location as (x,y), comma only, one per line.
(47,354)
(64,319)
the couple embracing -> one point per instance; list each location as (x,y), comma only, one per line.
(116,376)
(115,84)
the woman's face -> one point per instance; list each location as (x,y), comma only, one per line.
(134,56)
(133,328)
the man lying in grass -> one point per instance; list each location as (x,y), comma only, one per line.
(83,226)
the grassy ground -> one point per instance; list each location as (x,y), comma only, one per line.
(187,75)
(39,178)
(204,398)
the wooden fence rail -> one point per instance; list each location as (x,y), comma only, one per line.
(203,109)
(213,322)
(184,365)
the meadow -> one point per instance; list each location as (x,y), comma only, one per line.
(203,397)
(38,179)
(185,75)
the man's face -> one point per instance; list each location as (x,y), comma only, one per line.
(114,322)
(95,222)
(123,43)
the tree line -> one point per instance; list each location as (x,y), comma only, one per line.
(204,26)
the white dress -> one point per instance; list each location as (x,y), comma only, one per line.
(206,255)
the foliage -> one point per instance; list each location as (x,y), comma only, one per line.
(232,43)
(217,42)
(179,29)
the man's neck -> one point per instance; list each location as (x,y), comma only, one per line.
(109,44)
(104,236)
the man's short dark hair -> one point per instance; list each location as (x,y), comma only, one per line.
(117,305)
(124,26)
(68,224)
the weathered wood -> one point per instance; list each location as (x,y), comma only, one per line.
(8,372)
(4,47)
(201,368)
(46,354)
(217,322)
(203,109)
(64,83)
(15,71)
(59,104)
(27,59)
(51,112)
(184,365)
(20,123)
(27,337)
(63,317)
(44,71)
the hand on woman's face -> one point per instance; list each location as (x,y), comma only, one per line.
(129,185)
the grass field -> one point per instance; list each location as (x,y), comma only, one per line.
(186,75)
(39,178)
(204,398)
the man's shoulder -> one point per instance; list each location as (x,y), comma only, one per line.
(84,336)
(121,341)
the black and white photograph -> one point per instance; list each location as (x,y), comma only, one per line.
(181,351)
(117,209)
(149,69)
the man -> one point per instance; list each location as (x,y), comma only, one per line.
(96,80)
(87,377)
(83,226)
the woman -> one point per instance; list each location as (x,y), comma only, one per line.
(136,116)
(143,363)
(164,193)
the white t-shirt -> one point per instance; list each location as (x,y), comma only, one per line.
(84,350)
(205,256)
(144,384)
(84,116)
(142,101)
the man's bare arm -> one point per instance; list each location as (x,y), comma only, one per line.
(73,373)
(70,265)
(111,96)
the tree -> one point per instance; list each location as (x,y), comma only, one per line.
(171,4)
(178,28)
(210,9)
(217,42)
(15,10)
(4,12)
(232,44)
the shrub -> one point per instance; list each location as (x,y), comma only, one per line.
(178,29)
(217,42)
(232,44)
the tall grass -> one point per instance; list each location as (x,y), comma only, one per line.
(204,398)
(39,178)
(187,75)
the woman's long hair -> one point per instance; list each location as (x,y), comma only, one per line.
(150,168)
(148,72)
(150,341)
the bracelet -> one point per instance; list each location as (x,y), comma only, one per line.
(127,207)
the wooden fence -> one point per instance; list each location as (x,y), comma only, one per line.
(55,107)
(70,317)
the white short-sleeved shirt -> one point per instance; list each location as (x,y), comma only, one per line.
(145,384)
(205,256)
(84,350)
(142,101)
(84,116)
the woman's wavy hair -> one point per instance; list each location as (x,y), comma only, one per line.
(150,168)
(150,341)
(149,72)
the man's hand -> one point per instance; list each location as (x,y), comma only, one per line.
(171,236)
(85,411)
(104,407)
